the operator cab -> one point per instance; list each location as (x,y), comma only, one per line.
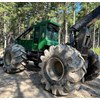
(48,29)
(42,35)
(45,34)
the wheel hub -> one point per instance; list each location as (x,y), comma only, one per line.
(8,58)
(55,69)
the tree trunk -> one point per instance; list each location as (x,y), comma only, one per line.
(98,38)
(74,14)
(5,30)
(19,23)
(59,21)
(59,37)
(5,41)
(65,34)
(74,17)
(94,38)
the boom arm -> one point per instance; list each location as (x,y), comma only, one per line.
(82,41)
(95,14)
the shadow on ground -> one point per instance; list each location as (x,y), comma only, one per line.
(22,85)
(27,85)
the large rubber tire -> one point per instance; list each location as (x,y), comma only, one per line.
(1,61)
(14,58)
(62,67)
(93,70)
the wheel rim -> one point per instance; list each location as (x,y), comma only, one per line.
(8,58)
(55,69)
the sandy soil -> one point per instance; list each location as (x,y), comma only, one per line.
(27,85)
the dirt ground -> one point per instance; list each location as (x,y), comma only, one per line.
(27,85)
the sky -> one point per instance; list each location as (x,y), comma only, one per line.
(78,7)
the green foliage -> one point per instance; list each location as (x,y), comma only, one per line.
(87,7)
(97,50)
(20,15)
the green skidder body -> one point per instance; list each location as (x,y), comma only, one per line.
(43,34)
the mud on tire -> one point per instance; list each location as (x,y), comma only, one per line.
(62,67)
(14,58)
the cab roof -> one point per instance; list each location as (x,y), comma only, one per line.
(47,21)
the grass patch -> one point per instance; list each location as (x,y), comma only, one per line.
(97,50)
